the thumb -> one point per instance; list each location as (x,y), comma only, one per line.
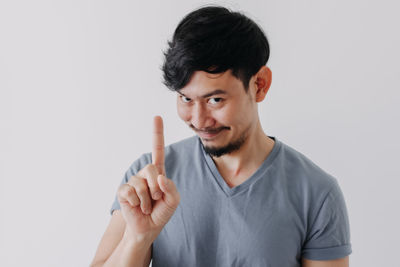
(163,183)
(171,195)
(164,208)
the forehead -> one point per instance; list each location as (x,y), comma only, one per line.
(202,83)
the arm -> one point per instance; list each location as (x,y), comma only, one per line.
(328,238)
(343,262)
(115,250)
(143,213)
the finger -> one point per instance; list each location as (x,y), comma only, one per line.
(142,191)
(158,144)
(171,194)
(150,173)
(127,194)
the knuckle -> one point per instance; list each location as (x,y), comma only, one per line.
(126,192)
(176,199)
(141,189)
(148,171)
(130,191)
(158,146)
(152,167)
(133,179)
(147,167)
(122,189)
(176,202)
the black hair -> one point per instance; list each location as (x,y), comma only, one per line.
(214,39)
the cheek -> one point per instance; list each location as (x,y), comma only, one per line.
(228,114)
(222,116)
(235,114)
(183,112)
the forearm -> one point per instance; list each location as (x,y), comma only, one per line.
(130,254)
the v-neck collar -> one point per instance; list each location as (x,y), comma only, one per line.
(255,176)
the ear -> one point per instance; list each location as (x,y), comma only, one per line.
(263,79)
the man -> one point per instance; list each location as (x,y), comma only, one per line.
(230,195)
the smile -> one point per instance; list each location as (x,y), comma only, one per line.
(208,135)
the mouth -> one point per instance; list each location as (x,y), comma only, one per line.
(208,135)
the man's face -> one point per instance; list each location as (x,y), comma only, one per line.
(218,109)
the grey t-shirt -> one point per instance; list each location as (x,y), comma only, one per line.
(288,209)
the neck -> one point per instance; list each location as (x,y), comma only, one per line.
(249,157)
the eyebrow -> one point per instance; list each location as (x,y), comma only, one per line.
(215,92)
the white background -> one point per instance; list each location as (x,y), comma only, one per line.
(80,82)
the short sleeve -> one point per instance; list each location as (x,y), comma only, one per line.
(329,235)
(135,167)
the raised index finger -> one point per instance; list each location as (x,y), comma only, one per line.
(158,145)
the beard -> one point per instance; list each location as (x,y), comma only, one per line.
(229,148)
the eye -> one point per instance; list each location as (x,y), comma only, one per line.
(215,100)
(185,99)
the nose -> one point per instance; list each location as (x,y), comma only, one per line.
(201,118)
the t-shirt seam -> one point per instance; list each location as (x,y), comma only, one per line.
(319,210)
(338,246)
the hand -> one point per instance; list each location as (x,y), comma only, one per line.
(149,199)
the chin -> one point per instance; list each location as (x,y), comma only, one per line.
(220,150)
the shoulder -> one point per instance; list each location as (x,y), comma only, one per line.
(315,193)
(304,173)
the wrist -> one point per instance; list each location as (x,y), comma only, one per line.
(137,242)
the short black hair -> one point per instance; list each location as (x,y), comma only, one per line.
(214,39)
